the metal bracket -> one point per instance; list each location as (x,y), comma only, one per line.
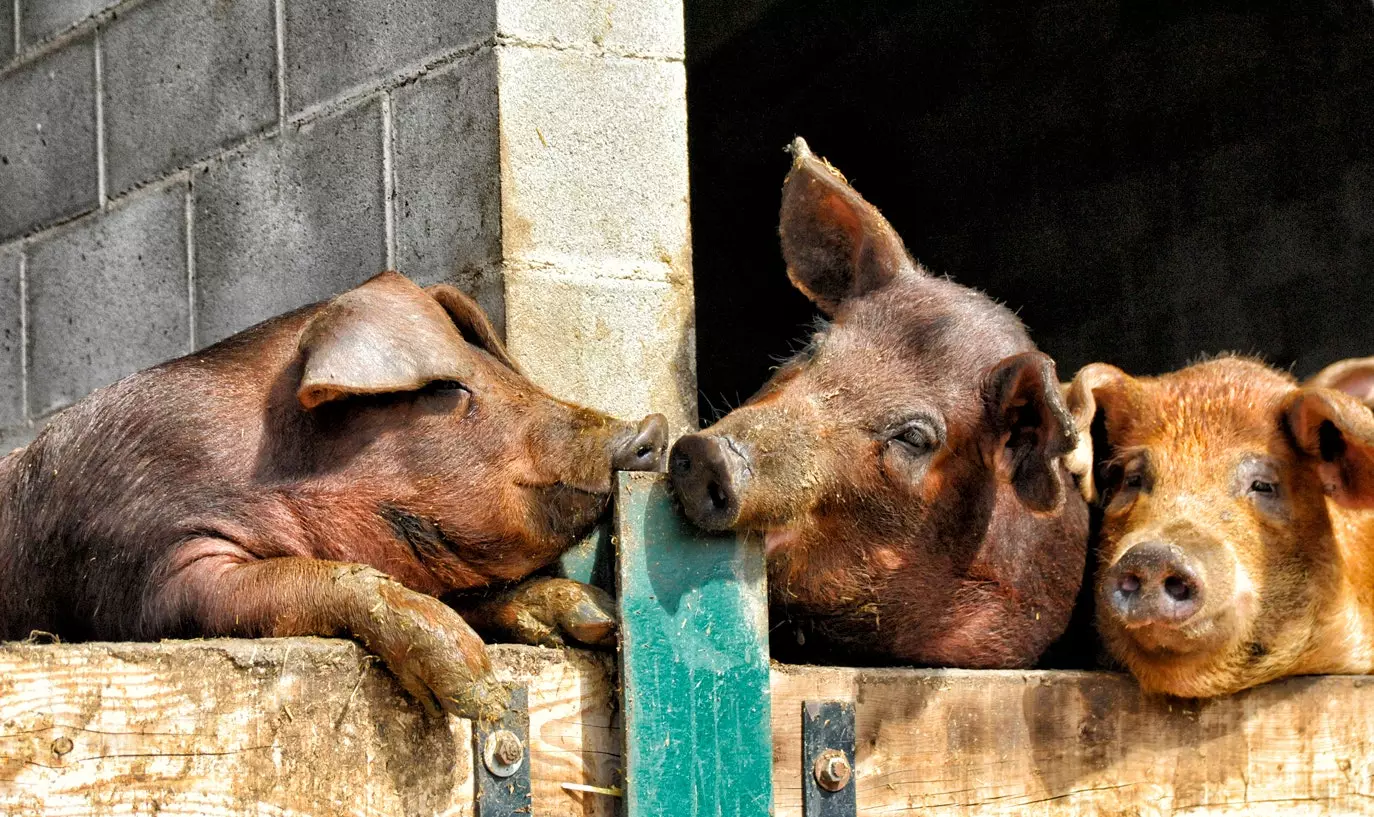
(828,780)
(501,762)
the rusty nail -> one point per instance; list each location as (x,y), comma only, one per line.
(831,770)
(61,746)
(503,753)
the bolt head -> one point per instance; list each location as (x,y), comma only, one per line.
(832,770)
(503,753)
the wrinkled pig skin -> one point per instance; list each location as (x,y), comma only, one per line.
(905,470)
(1237,524)
(327,472)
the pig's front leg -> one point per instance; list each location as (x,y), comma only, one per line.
(547,612)
(430,649)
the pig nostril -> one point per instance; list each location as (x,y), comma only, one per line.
(1178,589)
(1130,583)
(718,497)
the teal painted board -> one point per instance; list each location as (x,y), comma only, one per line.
(694,662)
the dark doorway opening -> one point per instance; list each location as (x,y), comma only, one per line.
(1145,182)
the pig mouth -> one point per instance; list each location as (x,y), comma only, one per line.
(1158,641)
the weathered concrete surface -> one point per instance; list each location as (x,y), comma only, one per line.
(335,47)
(216,70)
(277,726)
(288,222)
(107,297)
(448,183)
(42,19)
(11,340)
(47,143)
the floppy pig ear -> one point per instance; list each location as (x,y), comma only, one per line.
(1355,377)
(1338,432)
(1022,396)
(836,245)
(387,335)
(471,321)
(1096,385)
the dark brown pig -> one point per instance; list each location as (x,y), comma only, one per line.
(905,469)
(328,472)
(1237,528)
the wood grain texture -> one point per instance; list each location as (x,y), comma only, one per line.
(276,727)
(951,742)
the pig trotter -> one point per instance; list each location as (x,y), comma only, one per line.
(546,612)
(430,649)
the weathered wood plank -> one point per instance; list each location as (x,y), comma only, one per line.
(276,727)
(950,742)
(694,662)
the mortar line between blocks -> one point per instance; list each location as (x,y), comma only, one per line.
(388,182)
(102,189)
(191,261)
(24,331)
(280,12)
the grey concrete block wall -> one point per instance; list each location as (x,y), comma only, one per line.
(205,164)
(48,139)
(107,297)
(215,66)
(289,221)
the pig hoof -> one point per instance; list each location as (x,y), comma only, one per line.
(555,613)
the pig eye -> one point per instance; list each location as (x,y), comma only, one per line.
(444,387)
(917,437)
(1134,479)
(1259,486)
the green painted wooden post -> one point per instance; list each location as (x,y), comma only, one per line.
(694,662)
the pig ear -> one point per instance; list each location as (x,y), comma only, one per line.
(837,246)
(387,335)
(472,321)
(1337,431)
(1355,377)
(1097,386)
(1022,396)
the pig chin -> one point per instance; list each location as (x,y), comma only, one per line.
(568,511)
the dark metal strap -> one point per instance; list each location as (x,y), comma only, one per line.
(501,761)
(828,784)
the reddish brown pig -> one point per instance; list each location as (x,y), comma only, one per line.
(1237,525)
(328,472)
(1354,376)
(905,470)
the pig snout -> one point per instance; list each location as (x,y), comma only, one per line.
(642,449)
(1155,583)
(708,474)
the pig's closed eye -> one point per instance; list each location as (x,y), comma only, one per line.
(1260,486)
(917,437)
(444,387)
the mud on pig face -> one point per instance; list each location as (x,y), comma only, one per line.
(499,476)
(905,469)
(1220,558)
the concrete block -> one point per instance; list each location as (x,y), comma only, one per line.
(6,32)
(16,437)
(447,169)
(107,297)
(183,79)
(639,27)
(623,346)
(595,163)
(288,222)
(11,341)
(47,140)
(334,47)
(42,19)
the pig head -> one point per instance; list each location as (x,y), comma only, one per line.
(904,470)
(1236,524)
(327,472)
